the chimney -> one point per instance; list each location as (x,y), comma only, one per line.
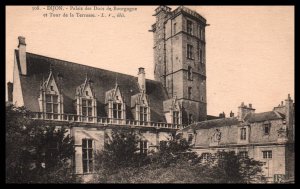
(10,91)
(289,108)
(142,80)
(231,114)
(22,55)
(222,115)
(243,110)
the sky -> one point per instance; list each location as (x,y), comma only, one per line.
(249,49)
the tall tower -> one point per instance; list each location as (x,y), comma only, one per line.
(179,58)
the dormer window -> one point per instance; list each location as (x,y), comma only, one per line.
(117,110)
(176,117)
(116,105)
(50,99)
(143,113)
(86,103)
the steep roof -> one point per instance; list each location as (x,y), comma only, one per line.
(74,75)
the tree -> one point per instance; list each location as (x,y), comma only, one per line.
(122,150)
(227,167)
(36,151)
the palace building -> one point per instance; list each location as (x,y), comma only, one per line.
(93,101)
(96,101)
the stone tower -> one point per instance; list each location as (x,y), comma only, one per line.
(179,58)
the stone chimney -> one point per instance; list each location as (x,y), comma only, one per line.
(22,55)
(222,115)
(142,80)
(10,92)
(289,116)
(243,110)
(280,108)
(231,114)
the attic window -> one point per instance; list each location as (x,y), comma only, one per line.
(117,97)
(51,88)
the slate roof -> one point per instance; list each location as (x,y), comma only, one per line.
(212,123)
(221,122)
(74,75)
(264,116)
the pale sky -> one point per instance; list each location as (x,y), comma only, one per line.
(250,49)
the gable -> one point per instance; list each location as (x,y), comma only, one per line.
(103,80)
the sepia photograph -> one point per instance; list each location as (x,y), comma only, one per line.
(150,94)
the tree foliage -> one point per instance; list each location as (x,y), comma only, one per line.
(36,152)
(174,162)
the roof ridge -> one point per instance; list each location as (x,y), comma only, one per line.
(85,65)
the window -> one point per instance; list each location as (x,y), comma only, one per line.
(143,147)
(174,28)
(189,51)
(52,104)
(243,154)
(205,157)
(175,117)
(201,55)
(243,133)
(143,113)
(190,73)
(87,108)
(201,33)
(190,138)
(267,129)
(117,110)
(190,118)
(189,27)
(87,155)
(189,92)
(267,154)
(51,88)
(86,93)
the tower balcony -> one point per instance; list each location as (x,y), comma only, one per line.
(101,120)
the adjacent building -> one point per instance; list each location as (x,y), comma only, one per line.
(267,136)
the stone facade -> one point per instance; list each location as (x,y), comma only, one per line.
(179,59)
(266,136)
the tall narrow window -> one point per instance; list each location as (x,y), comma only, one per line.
(189,51)
(175,117)
(190,118)
(143,113)
(117,110)
(87,156)
(87,109)
(190,138)
(189,92)
(143,147)
(266,128)
(267,154)
(190,73)
(189,27)
(52,106)
(201,55)
(174,28)
(243,133)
